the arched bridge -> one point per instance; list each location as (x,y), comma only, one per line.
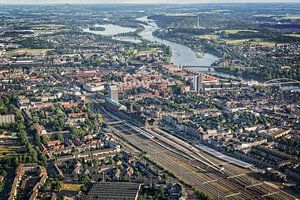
(281,81)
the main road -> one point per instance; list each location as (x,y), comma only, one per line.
(194,167)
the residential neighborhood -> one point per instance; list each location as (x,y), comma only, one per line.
(149,101)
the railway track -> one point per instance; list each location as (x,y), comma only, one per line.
(187,164)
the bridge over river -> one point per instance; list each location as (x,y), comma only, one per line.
(200,66)
(282,82)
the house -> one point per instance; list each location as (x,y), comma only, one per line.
(7,119)
(53,143)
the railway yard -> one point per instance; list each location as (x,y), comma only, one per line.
(191,165)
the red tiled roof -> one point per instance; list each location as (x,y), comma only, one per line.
(53,143)
(209,79)
(69,104)
(58,147)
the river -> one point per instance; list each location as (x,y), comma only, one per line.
(110,29)
(113,30)
(181,54)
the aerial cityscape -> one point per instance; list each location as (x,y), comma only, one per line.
(147,100)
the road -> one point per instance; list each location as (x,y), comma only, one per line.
(189,164)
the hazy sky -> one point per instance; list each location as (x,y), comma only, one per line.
(134,1)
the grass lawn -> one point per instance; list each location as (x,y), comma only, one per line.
(22,51)
(70,186)
(253,41)
(208,36)
(269,44)
(236,42)
(237,31)
(41,28)
(30,51)
(48,25)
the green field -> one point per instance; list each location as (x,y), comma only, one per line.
(291,17)
(40,28)
(252,41)
(22,51)
(236,42)
(236,31)
(28,50)
(208,36)
(267,44)
(48,26)
(293,35)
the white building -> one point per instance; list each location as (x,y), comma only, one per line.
(114,93)
(93,87)
(197,83)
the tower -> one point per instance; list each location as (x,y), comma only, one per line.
(114,93)
(197,82)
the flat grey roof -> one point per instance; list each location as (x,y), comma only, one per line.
(114,191)
(224,157)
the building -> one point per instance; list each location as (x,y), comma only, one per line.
(113,105)
(29,178)
(197,83)
(7,119)
(93,87)
(114,93)
(114,191)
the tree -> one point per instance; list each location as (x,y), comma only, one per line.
(83,188)
(3,172)
(23,137)
(161,192)
(96,162)
(87,181)
(100,119)
(5,100)
(60,136)
(44,139)
(56,186)
(37,138)
(20,126)
(1,185)
(200,195)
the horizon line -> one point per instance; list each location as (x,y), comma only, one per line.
(155,3)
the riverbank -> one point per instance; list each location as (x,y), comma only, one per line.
(181,54)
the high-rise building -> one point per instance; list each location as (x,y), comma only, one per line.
(197,82)
(114,93)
